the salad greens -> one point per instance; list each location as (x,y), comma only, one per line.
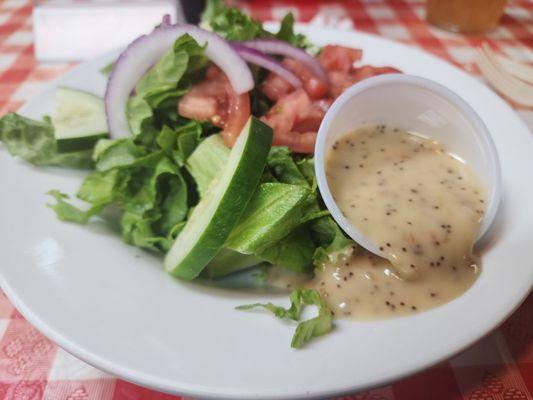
(34,142)
(159,175)
(233,24)
(156,93)
(219,211)
(230,22)
(305,330)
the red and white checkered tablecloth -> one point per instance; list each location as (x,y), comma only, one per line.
(499,367)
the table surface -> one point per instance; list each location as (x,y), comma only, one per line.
(499,367)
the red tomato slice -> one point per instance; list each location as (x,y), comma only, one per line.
(339,58)
(215,100)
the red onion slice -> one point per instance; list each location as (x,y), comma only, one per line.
(256,57)
(278,47)
(166,21)
(146,50)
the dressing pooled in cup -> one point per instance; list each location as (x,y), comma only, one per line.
(419,204)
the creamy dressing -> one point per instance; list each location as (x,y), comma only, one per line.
(365,286)
(419,205)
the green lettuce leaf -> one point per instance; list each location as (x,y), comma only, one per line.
(230,22)
(148,187)
(168,80)
(110,154)
(99,187)
(305,330)
(294,251)
(34,142)
(179,143)
(141,193)
(67,212)
(155,202)
(137,230)
(139,114)
(307,168)
(173,203)
(326,234)
(331,239)
(283,167)
(188,137)
(273,212)
(287,34)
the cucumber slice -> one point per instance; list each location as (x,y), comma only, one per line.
(206,161)
(220,210)
(79,120)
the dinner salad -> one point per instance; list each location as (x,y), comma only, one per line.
(204,145)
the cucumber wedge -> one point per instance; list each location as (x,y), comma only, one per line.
(79,120)
(220,209)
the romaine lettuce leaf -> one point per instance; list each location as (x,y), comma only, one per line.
(179,143)
(109,154)
(273,212)
(283,167)
(139,114)
(67,212)
(331,240)
(99,187)
(148,188)
(305,330)
(307,168)
(34,142)
(294,252)
(165,82)
(142,193)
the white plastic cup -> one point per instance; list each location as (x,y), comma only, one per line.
(420,106)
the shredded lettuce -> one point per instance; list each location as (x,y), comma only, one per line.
(305,330)
(67,212)
(34,142)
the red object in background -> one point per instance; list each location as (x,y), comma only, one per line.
(499,367)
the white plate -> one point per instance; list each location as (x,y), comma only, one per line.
(113,306)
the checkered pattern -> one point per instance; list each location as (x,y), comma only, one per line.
(499,367)
(404,21)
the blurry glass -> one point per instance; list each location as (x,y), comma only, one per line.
(466,16)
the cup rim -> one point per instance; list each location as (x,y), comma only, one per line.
(494,188)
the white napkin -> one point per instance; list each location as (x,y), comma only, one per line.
(67,30)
